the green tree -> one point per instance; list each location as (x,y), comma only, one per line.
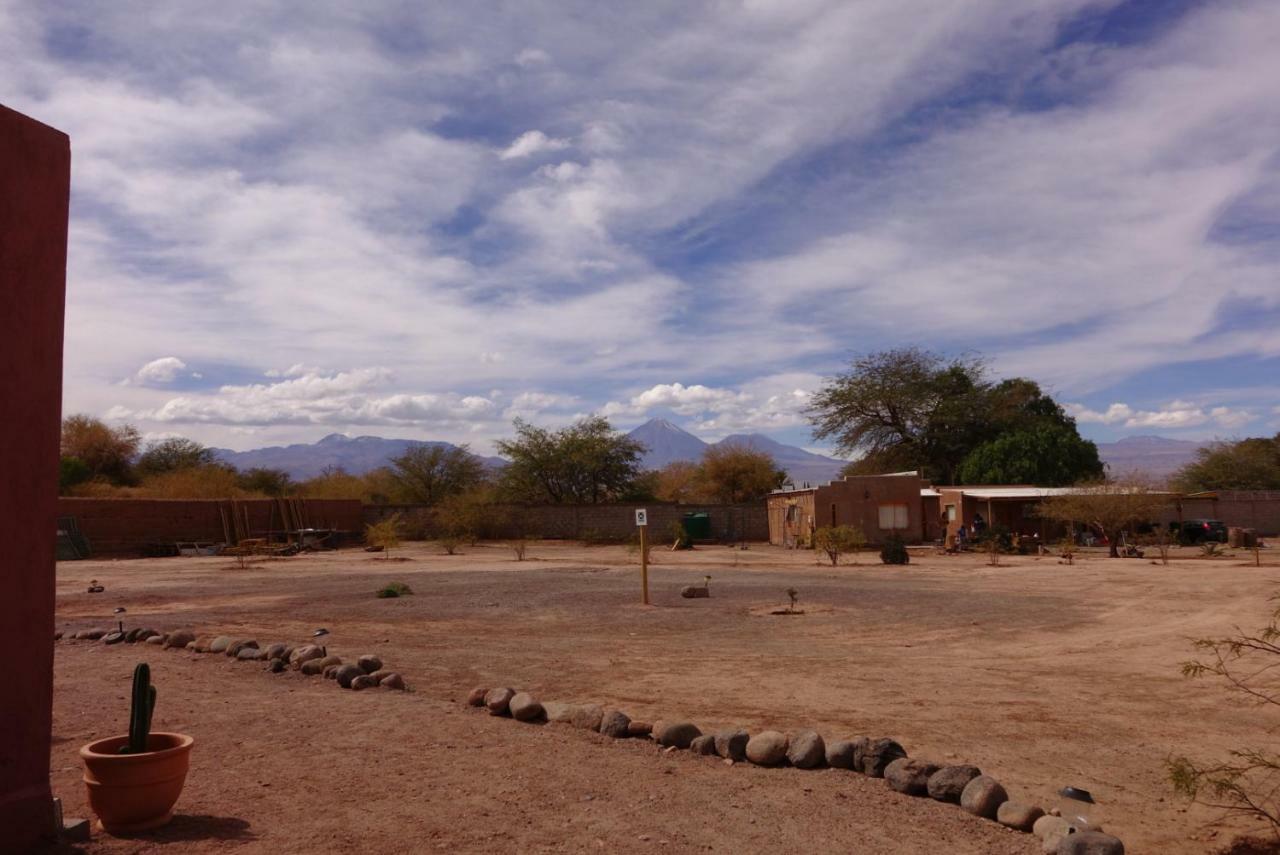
(588,462)
(1112,506)
(913,409)
(172,454)
(71,471)
(733,474)
(105,451)
(428,473)
(1250,464)
(1046,454)
(268,482)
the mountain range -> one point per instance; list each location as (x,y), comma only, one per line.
(1155,456)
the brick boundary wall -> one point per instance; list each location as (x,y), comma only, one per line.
(120,527)
(585,522)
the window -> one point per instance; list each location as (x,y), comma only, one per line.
(791,513)
(951,513)
(893,517)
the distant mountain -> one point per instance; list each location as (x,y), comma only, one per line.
(668,442)
(356,455)
(1155,456)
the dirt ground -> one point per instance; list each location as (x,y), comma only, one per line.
(1039,673)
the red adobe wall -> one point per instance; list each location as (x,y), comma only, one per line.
(120,527)
(35,180)
(856,500)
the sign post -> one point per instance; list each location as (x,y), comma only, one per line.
(642,523)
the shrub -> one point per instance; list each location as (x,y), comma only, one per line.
(393,590)
(894,551)
(385,534)
(680,536)
(1242,783)
(839,540)
(519,546)
(450,544)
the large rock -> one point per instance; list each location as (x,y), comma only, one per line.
(558,711)
(391,681)
(179,639)
(677,734)
(768,748)
(732,744)
(498,701)
(704,745)
(363,681)
(587,716)
(616,724)
(220,644)
(806,750)
(1018,815)
(949,782)
(1090,843)
(347,673)
(476,697)
(1046,825)
(279,650)
(840,754)
(159,638)
(369,663)
(983,796)
(313,667)
(251,654)
(873,757)
(276,666)
(305,653)
(202,643)
(237,646)
(695,592)
(524,707)
(146,634)
(910,776)
(639,729)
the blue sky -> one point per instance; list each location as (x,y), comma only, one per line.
(424,220)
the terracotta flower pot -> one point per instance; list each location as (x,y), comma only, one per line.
(134,792)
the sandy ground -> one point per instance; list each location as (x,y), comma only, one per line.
(1041,674)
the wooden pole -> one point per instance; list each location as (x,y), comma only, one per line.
(644,567)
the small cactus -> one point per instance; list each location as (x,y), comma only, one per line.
(140,710)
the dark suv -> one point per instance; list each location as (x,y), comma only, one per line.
(1199,531)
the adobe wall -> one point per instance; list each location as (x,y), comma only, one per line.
(856,501)
(585,522)
(1256,509)
(120,527)
(35,180)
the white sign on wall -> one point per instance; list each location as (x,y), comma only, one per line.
(642,516)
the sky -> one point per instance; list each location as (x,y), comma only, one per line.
(425,220)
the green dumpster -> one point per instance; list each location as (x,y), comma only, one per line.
(697,526)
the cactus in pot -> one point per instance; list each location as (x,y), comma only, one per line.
(140,710)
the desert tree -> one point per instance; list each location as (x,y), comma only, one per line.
(1113,506)
(733,474)
(679,481)
(427,473)
(586,463)
(910,408)
(1247,781)
(106,452)
(172,454)
(1249,464)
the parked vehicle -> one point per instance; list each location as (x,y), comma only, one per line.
(1201,531)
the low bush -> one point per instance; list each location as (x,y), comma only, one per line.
(894,551)
(393,590)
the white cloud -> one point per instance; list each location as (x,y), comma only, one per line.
(768,403)
(1177,414)
(532,142)
(159,371)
